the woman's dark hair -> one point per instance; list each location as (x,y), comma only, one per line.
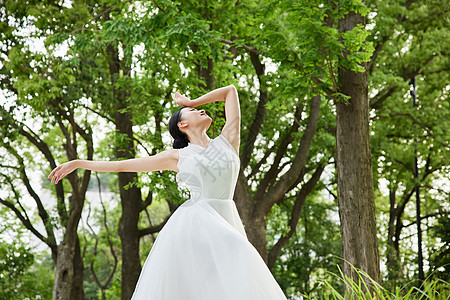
(180,138)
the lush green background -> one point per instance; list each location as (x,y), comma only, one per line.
(54,64)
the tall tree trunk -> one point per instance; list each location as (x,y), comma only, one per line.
(354,171)
(130,197)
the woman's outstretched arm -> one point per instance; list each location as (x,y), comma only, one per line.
(166,160)
(231,129)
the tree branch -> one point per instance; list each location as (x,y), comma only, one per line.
(296,211)
(426,217)
(257,167)
(111,246)
(285,181)
(50,240)
(255,127)
(153,229)
(26,222)
(135,136)
(98,16)
(286,139)
(248,48)
(377,101)
(385,38)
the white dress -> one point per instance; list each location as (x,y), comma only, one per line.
(202,253)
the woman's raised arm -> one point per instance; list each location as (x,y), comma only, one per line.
(166,160)
(229,94)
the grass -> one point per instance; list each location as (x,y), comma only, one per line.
(433,289)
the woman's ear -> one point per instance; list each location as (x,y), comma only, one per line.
(182,124)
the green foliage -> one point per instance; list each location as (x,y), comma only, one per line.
(440,257)
(402,36)
(23,274)
(15,260)
(166,48)
(430,289)
(101,243)
(310,254)
(359,51)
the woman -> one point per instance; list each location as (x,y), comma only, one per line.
(202,253)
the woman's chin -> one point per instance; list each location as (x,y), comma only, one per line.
(207,123)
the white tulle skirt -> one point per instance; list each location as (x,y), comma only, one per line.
(202,253)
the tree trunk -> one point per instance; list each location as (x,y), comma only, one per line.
(128,232)
(130,195)
(393,256)
(64,271)
(68,282)
(130,199)
(354,171)
(77,292)
(256,234)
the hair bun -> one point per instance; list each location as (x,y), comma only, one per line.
(180,142)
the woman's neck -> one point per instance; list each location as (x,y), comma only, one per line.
(199,138)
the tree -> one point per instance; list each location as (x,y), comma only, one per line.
(17,139)
(354,168)
(40,83)
(406,37)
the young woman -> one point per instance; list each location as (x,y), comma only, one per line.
(202,253)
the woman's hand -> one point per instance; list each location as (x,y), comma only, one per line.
(182,100)
(62,170)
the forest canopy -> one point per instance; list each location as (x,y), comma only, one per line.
(92,80)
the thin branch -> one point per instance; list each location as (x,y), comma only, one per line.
(426,217)
(50,240)
(331,193)
(150,223)
(111,246)
(135,136)
(153,229)
(295,216)
(156,4)
(287,179)
(98,16)
(255,126)
(148,200)
(248,48)
(257,167)
(377,100)
(409,116)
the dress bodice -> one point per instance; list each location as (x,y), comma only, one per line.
(209,172)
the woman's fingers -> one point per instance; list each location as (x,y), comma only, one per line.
(55,175)
(178,98)
(53,172)
(58,179)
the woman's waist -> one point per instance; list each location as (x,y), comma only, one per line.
(219,200)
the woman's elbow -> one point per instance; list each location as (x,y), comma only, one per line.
(232,92)
(232,88)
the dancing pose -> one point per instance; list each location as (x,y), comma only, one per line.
(202,253)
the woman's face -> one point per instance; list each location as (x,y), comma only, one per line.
(195,118)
